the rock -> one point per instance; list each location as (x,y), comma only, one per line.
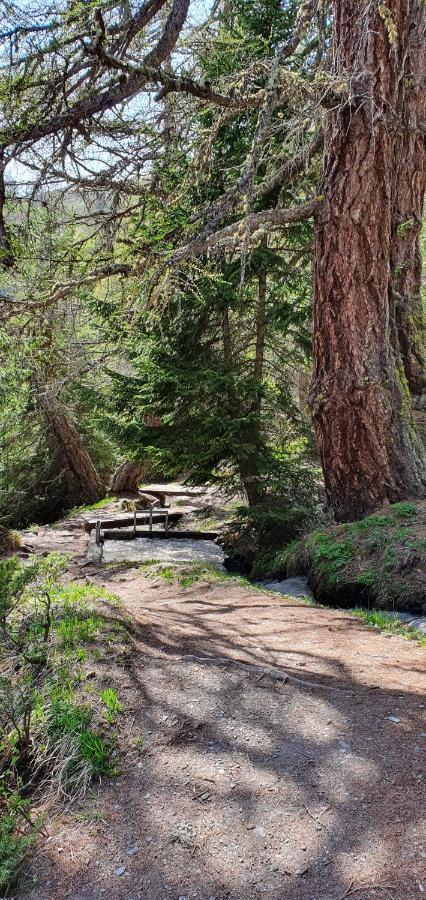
(120,870)
(132,850)
(290,587)
(260,831)
(393,719)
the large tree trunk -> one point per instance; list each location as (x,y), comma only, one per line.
(69,442)
(410,182)
(368,447)
(127,476)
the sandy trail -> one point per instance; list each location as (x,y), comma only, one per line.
(235,784)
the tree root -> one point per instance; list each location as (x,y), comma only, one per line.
(263,671)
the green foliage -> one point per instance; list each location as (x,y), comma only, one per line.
(167,573)
(61,348)
(83,751)
(405,510)
(113,706)
(17,835)
(77,510)
(48,714)
(373,553)
(330,555)
(75,630)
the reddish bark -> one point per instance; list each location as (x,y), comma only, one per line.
(410,183)
(368,447)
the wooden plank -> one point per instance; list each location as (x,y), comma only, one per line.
(122,520)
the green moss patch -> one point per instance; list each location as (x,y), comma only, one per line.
(379,560)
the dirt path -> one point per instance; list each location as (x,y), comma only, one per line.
(235,783)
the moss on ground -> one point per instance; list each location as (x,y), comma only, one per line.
(379,560)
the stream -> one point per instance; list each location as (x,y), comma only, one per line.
(168,551)
(172,551)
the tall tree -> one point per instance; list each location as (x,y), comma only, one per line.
(68,83)
(360,399)
(72,449)
(410,183)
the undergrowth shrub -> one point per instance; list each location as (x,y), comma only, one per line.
(262,531)
(51,738)
(18,832)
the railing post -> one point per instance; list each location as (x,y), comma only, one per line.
(98,532)
(134,523)
(166,525)
(150,518)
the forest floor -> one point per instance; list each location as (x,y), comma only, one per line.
(267,748)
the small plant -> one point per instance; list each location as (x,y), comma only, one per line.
(406,509)
(138,743)
(110,699)
(198,572)
(389,624)
(75,630)
(78,752)
(368,577)
(167,574)
(333,556)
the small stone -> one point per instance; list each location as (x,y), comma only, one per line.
(132,850)
(120,870)
(393,719)
(260,831)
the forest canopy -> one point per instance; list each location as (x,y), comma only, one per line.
(210,220)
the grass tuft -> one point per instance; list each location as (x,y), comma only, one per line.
(389,624)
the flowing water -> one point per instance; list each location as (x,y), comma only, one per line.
(170,551)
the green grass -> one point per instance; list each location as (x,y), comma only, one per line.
(81,595)
(185,574)
(113,706)
(77,510)
(376,543)
(52,718)
(404,510)
(88,753)
(167,573)
(389,624)
(74,630)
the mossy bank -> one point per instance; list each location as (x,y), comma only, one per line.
(378,561)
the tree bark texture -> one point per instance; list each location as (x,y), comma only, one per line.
(410,183)
(127,476)
(69,443)
(360,399)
